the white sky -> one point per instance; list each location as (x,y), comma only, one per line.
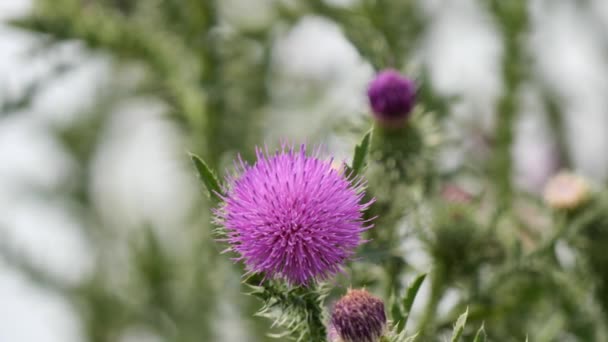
(28,313)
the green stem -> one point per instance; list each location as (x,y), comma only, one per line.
(437,286)
(393,271)
(556,122)
(513,21)
(316,324)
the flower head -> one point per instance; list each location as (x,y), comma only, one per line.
(358,317)
(566,191)
(391,96)
(293,216)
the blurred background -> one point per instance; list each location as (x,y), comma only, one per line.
(100,101)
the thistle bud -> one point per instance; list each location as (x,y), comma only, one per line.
(566,191)
(358,317)
(391,96)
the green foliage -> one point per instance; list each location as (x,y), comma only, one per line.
(207,177)
(401,309)
(459,326)
(406,154)
(360,155)
(497,252)
(480,336)
(384,32)
(299,311)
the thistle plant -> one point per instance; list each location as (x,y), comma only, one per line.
(392,242)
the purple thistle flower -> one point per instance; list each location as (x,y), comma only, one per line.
(358,317)
(293,216)
(391,96)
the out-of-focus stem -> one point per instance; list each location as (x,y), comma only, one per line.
(437,286)
(556,123)
(512,20)
(394,269)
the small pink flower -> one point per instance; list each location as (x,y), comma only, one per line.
(566,191)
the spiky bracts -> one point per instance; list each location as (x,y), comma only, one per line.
(358,317)
(293,216)
(298,311)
